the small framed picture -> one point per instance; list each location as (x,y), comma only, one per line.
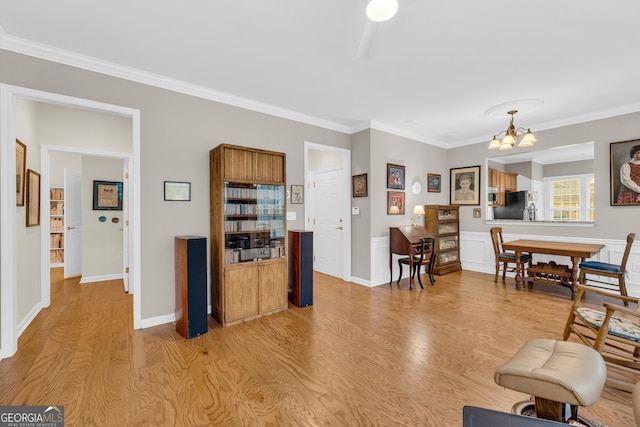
(395,176)
(297,194)
(359,183)
(107,196)
(476,212)
(33,198)
(175,191)
(465,186)
(433,183)
(395,203)
(625,180)
(21,162)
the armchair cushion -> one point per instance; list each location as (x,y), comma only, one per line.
(618,326)
(511,255)
(596,265)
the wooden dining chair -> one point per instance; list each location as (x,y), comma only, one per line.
(503,258)
(613,331)
(425,255)
(603,269)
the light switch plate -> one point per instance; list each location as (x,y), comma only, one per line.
(355,210)
(291,216)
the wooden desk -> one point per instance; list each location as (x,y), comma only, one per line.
(576,251)
(404,241)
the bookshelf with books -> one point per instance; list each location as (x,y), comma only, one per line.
(56,226)
(248,229)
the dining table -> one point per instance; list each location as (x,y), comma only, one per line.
(578,252)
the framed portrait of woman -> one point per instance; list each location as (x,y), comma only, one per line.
(625,173)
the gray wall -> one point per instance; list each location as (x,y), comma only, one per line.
(177,132)
(571,168)
(361,224)
(611,222)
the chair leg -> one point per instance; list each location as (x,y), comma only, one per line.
(623,289)
(399,274)
(416,271)
(504,270)
(495,279)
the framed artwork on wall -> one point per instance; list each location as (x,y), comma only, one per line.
(297,194)
(395,203)
(359,184)
(433,183)
(465,186)
(21,163)
(395,176)
(33,198)
(177,191)
(625,173)
(107,196)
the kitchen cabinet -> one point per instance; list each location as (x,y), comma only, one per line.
(502,181)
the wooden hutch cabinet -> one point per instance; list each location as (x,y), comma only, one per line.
(442,223)
(248,233)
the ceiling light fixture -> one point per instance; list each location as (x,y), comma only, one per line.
(381,10)
(511,134)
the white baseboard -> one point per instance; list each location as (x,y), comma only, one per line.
(164,319)
(22,325)
(104,278)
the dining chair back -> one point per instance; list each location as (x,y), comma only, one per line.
(610,271)
(503,258)
(425,255)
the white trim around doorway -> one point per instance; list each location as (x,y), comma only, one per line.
(8,246)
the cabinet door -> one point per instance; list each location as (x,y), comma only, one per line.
(273,286)
(241,292)
(269,167)
(511,182)
(238,164)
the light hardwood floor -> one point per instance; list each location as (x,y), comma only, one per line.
(359,356)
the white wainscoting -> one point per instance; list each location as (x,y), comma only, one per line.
(476,254)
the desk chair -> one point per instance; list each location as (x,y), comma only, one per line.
(503,259)
(425,255)
(608,270)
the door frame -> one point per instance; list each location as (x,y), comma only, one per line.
(8,244)
(309,210)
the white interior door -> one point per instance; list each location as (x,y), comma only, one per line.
(328,228)
(73,223)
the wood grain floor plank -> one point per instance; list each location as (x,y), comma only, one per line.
(358,357)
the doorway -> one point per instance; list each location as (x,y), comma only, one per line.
(328,212)
(9,328)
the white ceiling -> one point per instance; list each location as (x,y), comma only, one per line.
(430,73)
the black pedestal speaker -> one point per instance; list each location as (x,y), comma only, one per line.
(300,267)
(191,286)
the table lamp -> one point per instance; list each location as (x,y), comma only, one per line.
(417,210)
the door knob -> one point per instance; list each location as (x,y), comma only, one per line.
(339,228)
(71,228)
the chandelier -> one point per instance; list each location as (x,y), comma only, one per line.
(511,134)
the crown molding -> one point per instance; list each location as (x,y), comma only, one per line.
(384,127)
(41,51)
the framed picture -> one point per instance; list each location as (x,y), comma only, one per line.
(625,173)
(177,191)
(359,184)
(21,163)
(476,212)
(107,196)
(395,176)
(433,183)
(465,186)
(395,203)
(297,194)
(33,198)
